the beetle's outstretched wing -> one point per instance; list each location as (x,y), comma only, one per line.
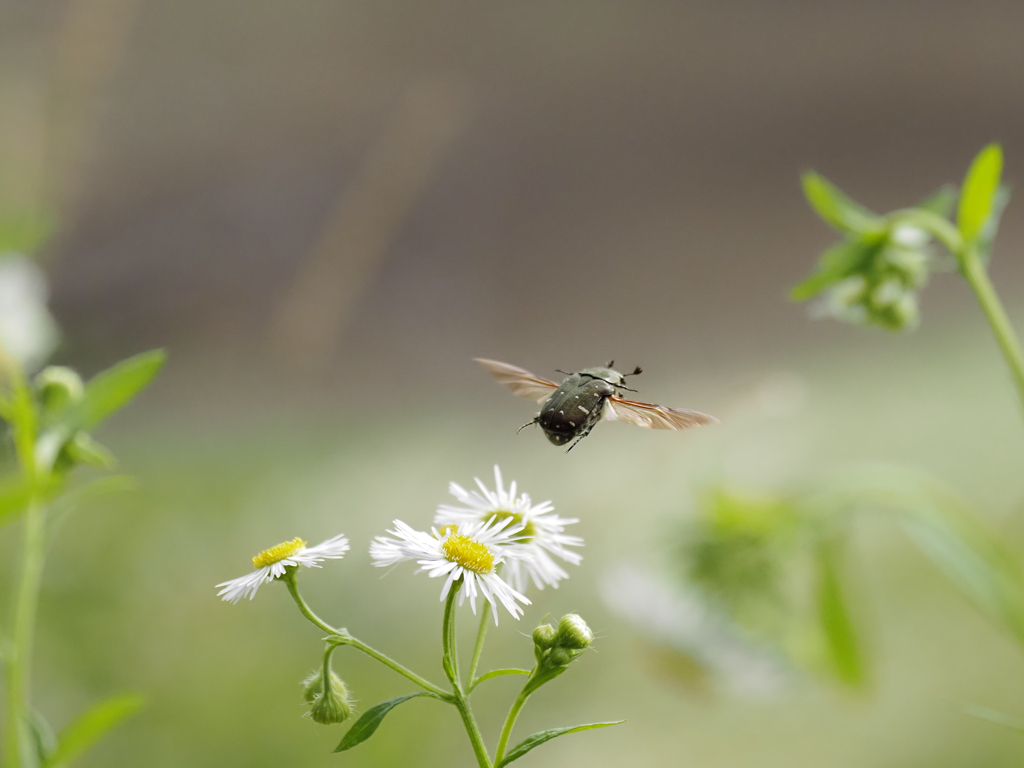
(521,382)
(653,416)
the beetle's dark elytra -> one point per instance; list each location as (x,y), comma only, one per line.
(577,404)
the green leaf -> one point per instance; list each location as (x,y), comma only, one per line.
(988,232)
(82,449)
(42,735)
(837,263)
(994,716)
(836,621)
(540,737)
(940,202)
(498,673)
(979,191)
(367,724)
(109,391)
(68,503)
(835,208)
(25,232)
(91,726)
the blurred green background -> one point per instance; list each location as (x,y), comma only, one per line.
(324,210)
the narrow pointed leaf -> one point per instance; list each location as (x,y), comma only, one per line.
(835,264)
(836,622)
(941,202)
(979,191)
(367,724)
(541,737)
(987,237)
(994,716)
(91,726)
(112,389)
(499,673)
(835,208)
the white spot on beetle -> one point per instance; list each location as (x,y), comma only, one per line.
(582,408)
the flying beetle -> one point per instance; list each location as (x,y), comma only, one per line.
(570,410)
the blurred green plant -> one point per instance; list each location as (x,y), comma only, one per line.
(874,275)
(49,420)
(754,556)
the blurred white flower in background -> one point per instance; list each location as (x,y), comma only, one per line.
(28,333)
(681,620)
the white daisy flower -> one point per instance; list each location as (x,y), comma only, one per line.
(469,552)
(28,333)
(542,535)
(270,565)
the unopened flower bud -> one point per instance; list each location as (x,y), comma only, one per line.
(574,633)
(331,703)
(544,636)
(57,386)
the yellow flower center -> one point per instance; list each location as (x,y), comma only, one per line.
(277,553)
(501,515)
(470,554)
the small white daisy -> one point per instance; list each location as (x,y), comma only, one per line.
(543,532)
(469,552)
(270,565)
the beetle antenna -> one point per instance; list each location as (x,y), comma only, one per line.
(611,364)
(527,424)
(636,372)
(559,370)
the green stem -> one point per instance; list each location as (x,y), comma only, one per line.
(450,661)
(510,721)
(977,277)
(478,649)
(342,637)
(974,272)
(473,730)
(19,658)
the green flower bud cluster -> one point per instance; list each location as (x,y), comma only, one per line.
(883,288)
(557,648)
(330,703)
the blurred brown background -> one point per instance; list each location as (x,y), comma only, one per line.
(325,209)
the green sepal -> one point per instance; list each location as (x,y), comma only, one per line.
(367,724)
(530,742)
(836,264)
(836,209)
(91,726)
(979,191)
(111,390)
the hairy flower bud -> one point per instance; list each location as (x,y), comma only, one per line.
(574,633)
(331,703)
